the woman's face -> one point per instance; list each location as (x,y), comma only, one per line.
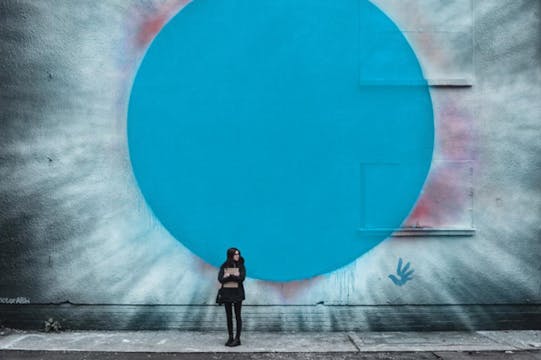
(236,255)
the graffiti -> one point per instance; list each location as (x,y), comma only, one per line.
(403,274)
(17,300)
(252,138)
(52,325)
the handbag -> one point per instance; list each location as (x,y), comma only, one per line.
(219,297)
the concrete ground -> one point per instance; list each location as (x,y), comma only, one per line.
(15,344)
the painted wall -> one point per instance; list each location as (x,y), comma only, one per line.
(75,227)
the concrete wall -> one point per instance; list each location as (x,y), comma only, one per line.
(79,243)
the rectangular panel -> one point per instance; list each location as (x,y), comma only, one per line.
(447,199)
(445,206)
(442,42)
(446,57)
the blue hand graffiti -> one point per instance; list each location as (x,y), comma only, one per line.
(403,274)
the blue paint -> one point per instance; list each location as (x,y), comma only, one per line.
(281,128)
(403,275)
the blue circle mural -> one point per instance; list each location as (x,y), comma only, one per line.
(300,132)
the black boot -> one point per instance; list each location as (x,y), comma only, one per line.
(229,341)
(236,342)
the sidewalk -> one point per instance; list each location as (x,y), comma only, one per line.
(268,342)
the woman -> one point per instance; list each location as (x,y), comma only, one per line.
(232,292)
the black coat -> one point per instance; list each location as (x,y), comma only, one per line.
(232,294)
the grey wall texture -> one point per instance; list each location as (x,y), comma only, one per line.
(79,244)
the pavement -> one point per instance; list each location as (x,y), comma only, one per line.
(171,344)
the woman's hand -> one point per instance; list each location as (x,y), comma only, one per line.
(226,275)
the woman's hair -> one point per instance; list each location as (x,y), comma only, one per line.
(230,252)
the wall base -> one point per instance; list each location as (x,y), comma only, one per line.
(276,317)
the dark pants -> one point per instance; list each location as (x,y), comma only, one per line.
(229,315)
